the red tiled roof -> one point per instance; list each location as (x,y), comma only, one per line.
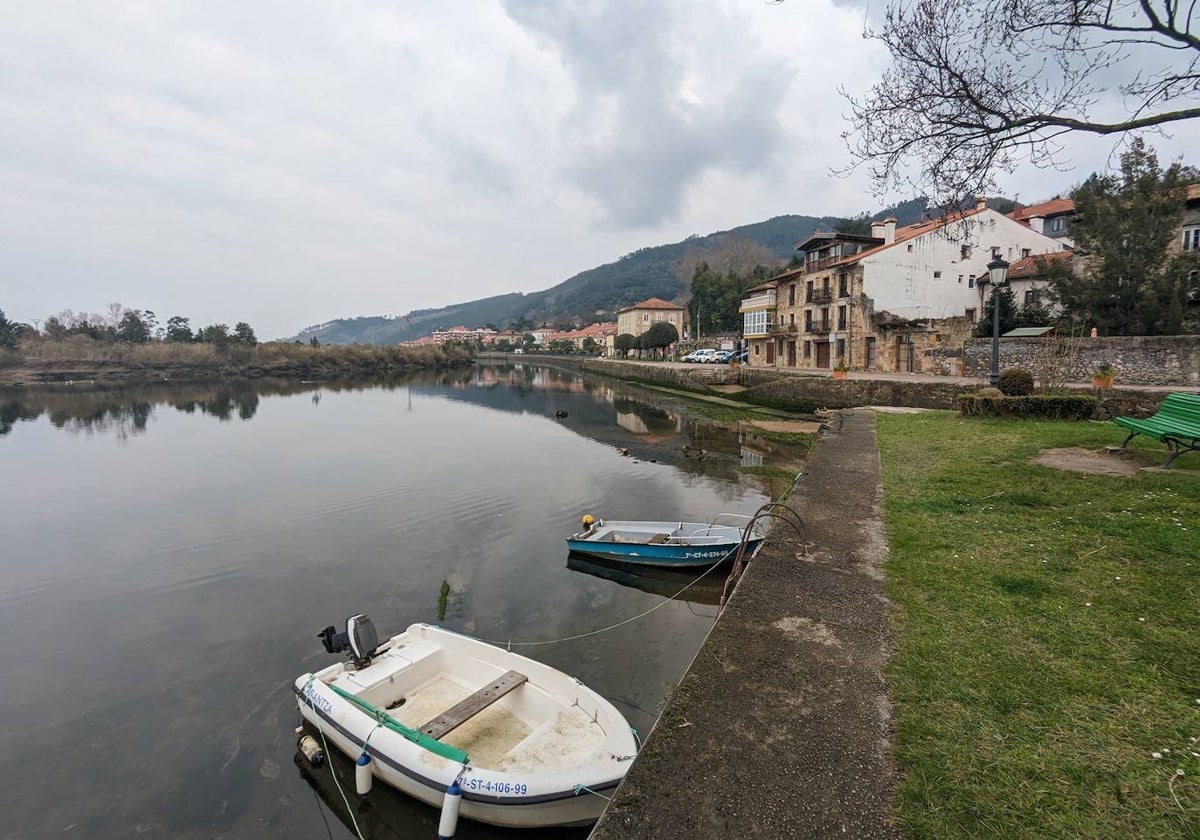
(1034,266)
(1053,207)
(762,287)
(652,303)
(910,232)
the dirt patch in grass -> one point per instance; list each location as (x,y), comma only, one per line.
(1077,459)
(800,427)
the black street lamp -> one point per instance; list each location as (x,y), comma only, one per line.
(997,272)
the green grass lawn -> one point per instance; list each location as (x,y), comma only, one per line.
(1047,671)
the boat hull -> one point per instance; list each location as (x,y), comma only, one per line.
(661,556)
(504,792)
(680,545)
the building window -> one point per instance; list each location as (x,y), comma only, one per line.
(646,318)
(971,315)
(792,319)
(792,295)
(937,275)
(1025,252)
(808,349)
(965,251)
(843,290)
(1058,225)
(910,247)
(841,348)
(755,323)
(841,317)
(1191,238)
(1031,297)
(971,282)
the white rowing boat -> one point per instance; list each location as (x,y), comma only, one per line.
(527,744)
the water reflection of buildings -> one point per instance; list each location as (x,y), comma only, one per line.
(650,423)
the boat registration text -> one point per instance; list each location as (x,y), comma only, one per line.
(488,786)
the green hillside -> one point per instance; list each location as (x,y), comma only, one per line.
(592,295)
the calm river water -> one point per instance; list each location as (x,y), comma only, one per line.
(169,554)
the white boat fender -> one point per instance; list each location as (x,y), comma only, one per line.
(449,821)
(362,775)
(311,750)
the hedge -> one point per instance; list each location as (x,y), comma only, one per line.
(1033,407)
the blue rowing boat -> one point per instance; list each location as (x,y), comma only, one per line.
(667,544)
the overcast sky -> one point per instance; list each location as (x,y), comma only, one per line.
(287,163)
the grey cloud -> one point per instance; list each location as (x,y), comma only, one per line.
(650,118)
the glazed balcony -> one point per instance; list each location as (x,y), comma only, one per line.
(763,301)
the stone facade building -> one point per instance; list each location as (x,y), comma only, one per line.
(636,319)
(898,300)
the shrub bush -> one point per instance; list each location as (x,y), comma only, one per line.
(1040,407)
(1015,382)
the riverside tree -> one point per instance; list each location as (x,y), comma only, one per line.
(1126,278)
(977,86)
(659,337)
(8,332)
(624,343)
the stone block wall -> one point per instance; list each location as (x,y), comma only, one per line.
(1165,361)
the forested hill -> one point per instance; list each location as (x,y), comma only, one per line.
(592,295)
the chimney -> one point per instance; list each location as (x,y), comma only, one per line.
(981,202)
(885,230)
(1037,223)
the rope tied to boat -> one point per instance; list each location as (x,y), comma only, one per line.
(581,788)
(510,644)
(369,734)
(308,694)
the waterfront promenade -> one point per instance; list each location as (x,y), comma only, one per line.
(780,728)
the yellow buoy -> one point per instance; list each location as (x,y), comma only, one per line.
(587,520)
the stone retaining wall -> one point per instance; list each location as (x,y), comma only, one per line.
(1167,361)
(792,392)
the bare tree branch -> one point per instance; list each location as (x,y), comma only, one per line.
(977,86)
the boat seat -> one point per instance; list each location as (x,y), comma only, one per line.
(464,710)
(658,538)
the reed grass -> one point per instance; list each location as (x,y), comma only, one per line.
(263,359)
(1046,675)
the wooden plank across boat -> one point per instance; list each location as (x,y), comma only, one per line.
(667,543)
(528,744)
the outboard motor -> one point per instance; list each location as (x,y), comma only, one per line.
(360,639)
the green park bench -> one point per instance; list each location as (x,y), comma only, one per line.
(1176,423)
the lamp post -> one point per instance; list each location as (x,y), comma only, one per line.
(997,271)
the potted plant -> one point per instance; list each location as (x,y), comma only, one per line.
(1103,376)
(839,372)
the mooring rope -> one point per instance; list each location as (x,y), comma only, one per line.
(581,788)
(511,644)
(329,756)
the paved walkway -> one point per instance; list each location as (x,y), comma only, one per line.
(780,728)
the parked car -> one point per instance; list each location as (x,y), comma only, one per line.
(703,355)
(721,357)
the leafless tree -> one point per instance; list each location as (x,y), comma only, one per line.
(734,254)
(977,86)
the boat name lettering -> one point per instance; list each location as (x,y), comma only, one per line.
(317,700)
(488,786)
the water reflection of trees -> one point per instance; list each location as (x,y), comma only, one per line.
(126,410)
